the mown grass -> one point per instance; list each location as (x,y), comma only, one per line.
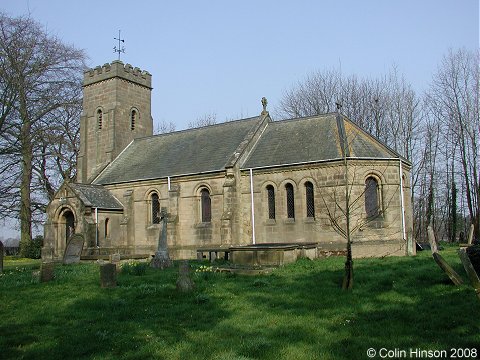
(296,312)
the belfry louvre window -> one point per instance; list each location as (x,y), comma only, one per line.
(271,201)
(290,201)
(206,204)
(371,197)
(99,119)
(310,199)
(155,204)
(133,119)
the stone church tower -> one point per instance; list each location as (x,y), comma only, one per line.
(116,110)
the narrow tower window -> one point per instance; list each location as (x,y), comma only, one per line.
(99,119)
(107,227)
(290,201)
(310,199)
(133,119)
(271,201)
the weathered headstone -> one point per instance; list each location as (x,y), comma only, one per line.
(74,249)
(162,258)
(114,258)
(1,257)
(472,274)
(47,253)
(184,281)
(108,275)
(47,271)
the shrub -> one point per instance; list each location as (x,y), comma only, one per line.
(33,250)
(134,268)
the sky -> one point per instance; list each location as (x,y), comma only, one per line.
(222,57)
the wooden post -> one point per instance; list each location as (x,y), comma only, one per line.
(470,235)
(431,239)
(1,257)
(472,274)
(456,279)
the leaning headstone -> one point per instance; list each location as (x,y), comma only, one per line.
(162,258)
(456,279)
(472,274)
(184,281)
(73,250)
(108,275)
(47,271)
(1,257)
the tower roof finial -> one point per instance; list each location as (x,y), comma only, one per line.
(121,48)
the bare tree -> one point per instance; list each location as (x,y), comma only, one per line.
(455,104)
(165,127)
(205,120)
(39,75)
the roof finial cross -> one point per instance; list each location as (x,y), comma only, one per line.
(121,48)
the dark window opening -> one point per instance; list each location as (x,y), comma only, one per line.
(99,119)
(371,197)
(290,201)
(310,199)
(206,206)
(155,208)
(133,119)
(107,228)
(271,201)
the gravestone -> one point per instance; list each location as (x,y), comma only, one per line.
(184,281)
(108,275)
(73,250)
(470,235)
(114,258)
(162,258)
(1,257)
(472,274)
(447,269)
(47,271)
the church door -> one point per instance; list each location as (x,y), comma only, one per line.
(69,224)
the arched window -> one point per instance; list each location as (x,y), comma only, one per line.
(371,197)
(290,201)
(310,199)
(206,204)
(271,201)
(99,119)
(133,119)
(155,204)
(107,228)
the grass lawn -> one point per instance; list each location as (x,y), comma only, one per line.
(297,312)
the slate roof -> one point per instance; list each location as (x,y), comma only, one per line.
(310,139)
(96,196)
(193,151)
(212,148)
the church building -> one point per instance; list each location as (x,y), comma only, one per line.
(243,182)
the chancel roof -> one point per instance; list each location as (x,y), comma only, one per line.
(213,148)
(311,139)
(96,196)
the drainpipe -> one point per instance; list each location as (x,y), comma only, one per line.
(402,206)
(253,207)
(96,227)
(168,181)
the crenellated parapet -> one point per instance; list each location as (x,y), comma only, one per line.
(119,70)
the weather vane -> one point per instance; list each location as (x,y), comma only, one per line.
(121,48)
